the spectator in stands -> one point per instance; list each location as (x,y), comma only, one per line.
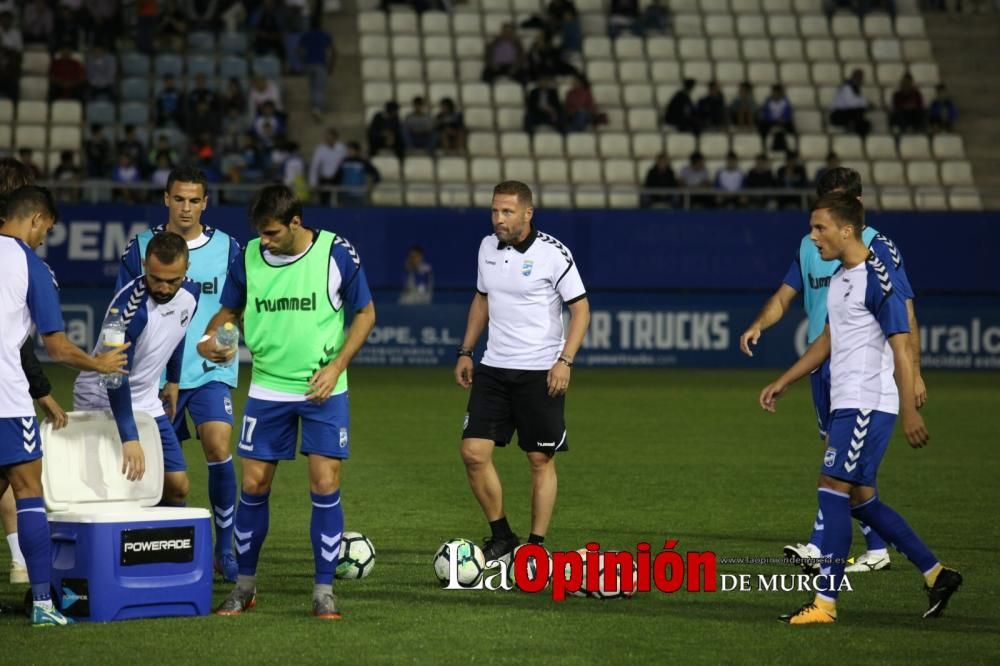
(131,145)
(202,92)
(859,7)
(418,284)
(623,15)
(681,112)
(792,175)
(234,125)
(418,128)
(161,173)
(145,25)
(450,127)
(10,34)
(326,161)
(102,20)
(233,97)
(37,21)
(10,74)
(296,23)
(504,56)
(127,173)
(263,90)
(68,175)
(171,27)
(27,157)
(293,171)
(318,58)
(102,73)
(67,77)
(695,175)
(942,112)
(202,15)
(711,108)
(202,148)
(656,17)
(908,112)
(659,177)
(729,179)
(570,34)
(268,117)
(760,177)
(97,151)
(544,108)
(357,175)
(776,115)
(850,106)
(162,148)
(743,110)
(385,132)
(65,29)
(169,103)
(267,24)
(832,162)
(581,109)
(203,118)
(551,23)
(254,163)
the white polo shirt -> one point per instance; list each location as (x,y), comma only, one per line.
(526,286)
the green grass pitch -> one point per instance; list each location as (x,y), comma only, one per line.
(655,454)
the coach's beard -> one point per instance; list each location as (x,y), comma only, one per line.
(160,299)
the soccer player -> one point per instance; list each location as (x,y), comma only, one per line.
(157,308)
(871,381)
(525,277)
(15,174)
(28,297)
(810,274)
(291,289)
(204,387)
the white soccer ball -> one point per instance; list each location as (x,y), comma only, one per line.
(616,590)
(582,592)
(357,556)
(469,566)
(532,566)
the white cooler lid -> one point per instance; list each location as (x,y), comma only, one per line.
(82,464)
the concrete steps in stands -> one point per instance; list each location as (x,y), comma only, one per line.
(966,47)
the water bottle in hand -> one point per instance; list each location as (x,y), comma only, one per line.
(112,337)
(227,336)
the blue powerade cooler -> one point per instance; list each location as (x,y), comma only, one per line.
(115,556)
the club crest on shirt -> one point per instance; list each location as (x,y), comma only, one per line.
(343,437)
(227,404)
(184,317)
(829,457)
(526,267)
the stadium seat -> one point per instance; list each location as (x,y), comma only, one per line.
(201,42)
(699,70)
(494,21)
(377,93)
(607,94)
(452,170)
(32,112)
(888,74)
(922,172)
(782,25)
(515,144)
(168,63)
(437,46)
(913,147)
(556,196)
(794,73)
(418,168)
(233,67)
(466,23)
(268,66)
(601,71)
(720,25)
(681,145)
(65,138)
(777,6)
(405,46)
(233,42)
(439,90)
(6,111)
(806,7)
(134,64)
(388,167)
(520,168)
(925,73)
(680,6)
(407,90)
(809,121)
(880,147)
(376,46)
(646,145)
(895,199)
(659,48)
(67,112)
(917,50)
(408,69)
(371,22)
(35,88)
(402,20)
(628,48)
(376,69)
(801,97)
(581,145)
(589,196)
(713,145)
(35,63)
(821,49)
(598,48)
(746,145)
(614,144)
(877,25)
(454,195)
(485,170)
(749,25)
(552,170)
(853,50)
(730,72)
(690,48)
(478,117)
(623,197)
(888,173)
(956,172)
(200,64)
(788,49)
(420,193)
(964,199)
(548,144)
(638,94)
(633,71)
(725,48)
(134,113)
(666,72)
(476,94)
(29,136)
(688,25)
(826,73)
(813,26)
(585,171)
(642,119)
(886,50)
(756,49)
(845,25)
(510,118)
(948,146)
(6,135)
(619,171)
(910,26)
(848,146)
(930,198)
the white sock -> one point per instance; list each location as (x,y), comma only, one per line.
(15,549)
(46,604)
(881,552)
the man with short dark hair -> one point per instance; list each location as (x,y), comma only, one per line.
(871,381)
(293,278)
(203,389)
(811,274)
(525,278)
(28,297)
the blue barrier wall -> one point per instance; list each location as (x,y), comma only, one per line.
(615,250)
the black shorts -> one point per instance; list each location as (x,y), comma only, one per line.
(503,401)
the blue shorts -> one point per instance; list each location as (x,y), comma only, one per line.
(210,402)
(173,456)
(20,441)
(820,379)
(858,440)
(270,428)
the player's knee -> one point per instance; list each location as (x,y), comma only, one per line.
(541,463)
(175,490)
(474,456)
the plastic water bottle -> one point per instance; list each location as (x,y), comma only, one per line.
(228,336)
(112,337)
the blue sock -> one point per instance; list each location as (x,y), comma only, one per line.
(896,531)
(252,520)
(36,544)
(222,497)
(325,529)
(816,538)
(836,508)
(872,539)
